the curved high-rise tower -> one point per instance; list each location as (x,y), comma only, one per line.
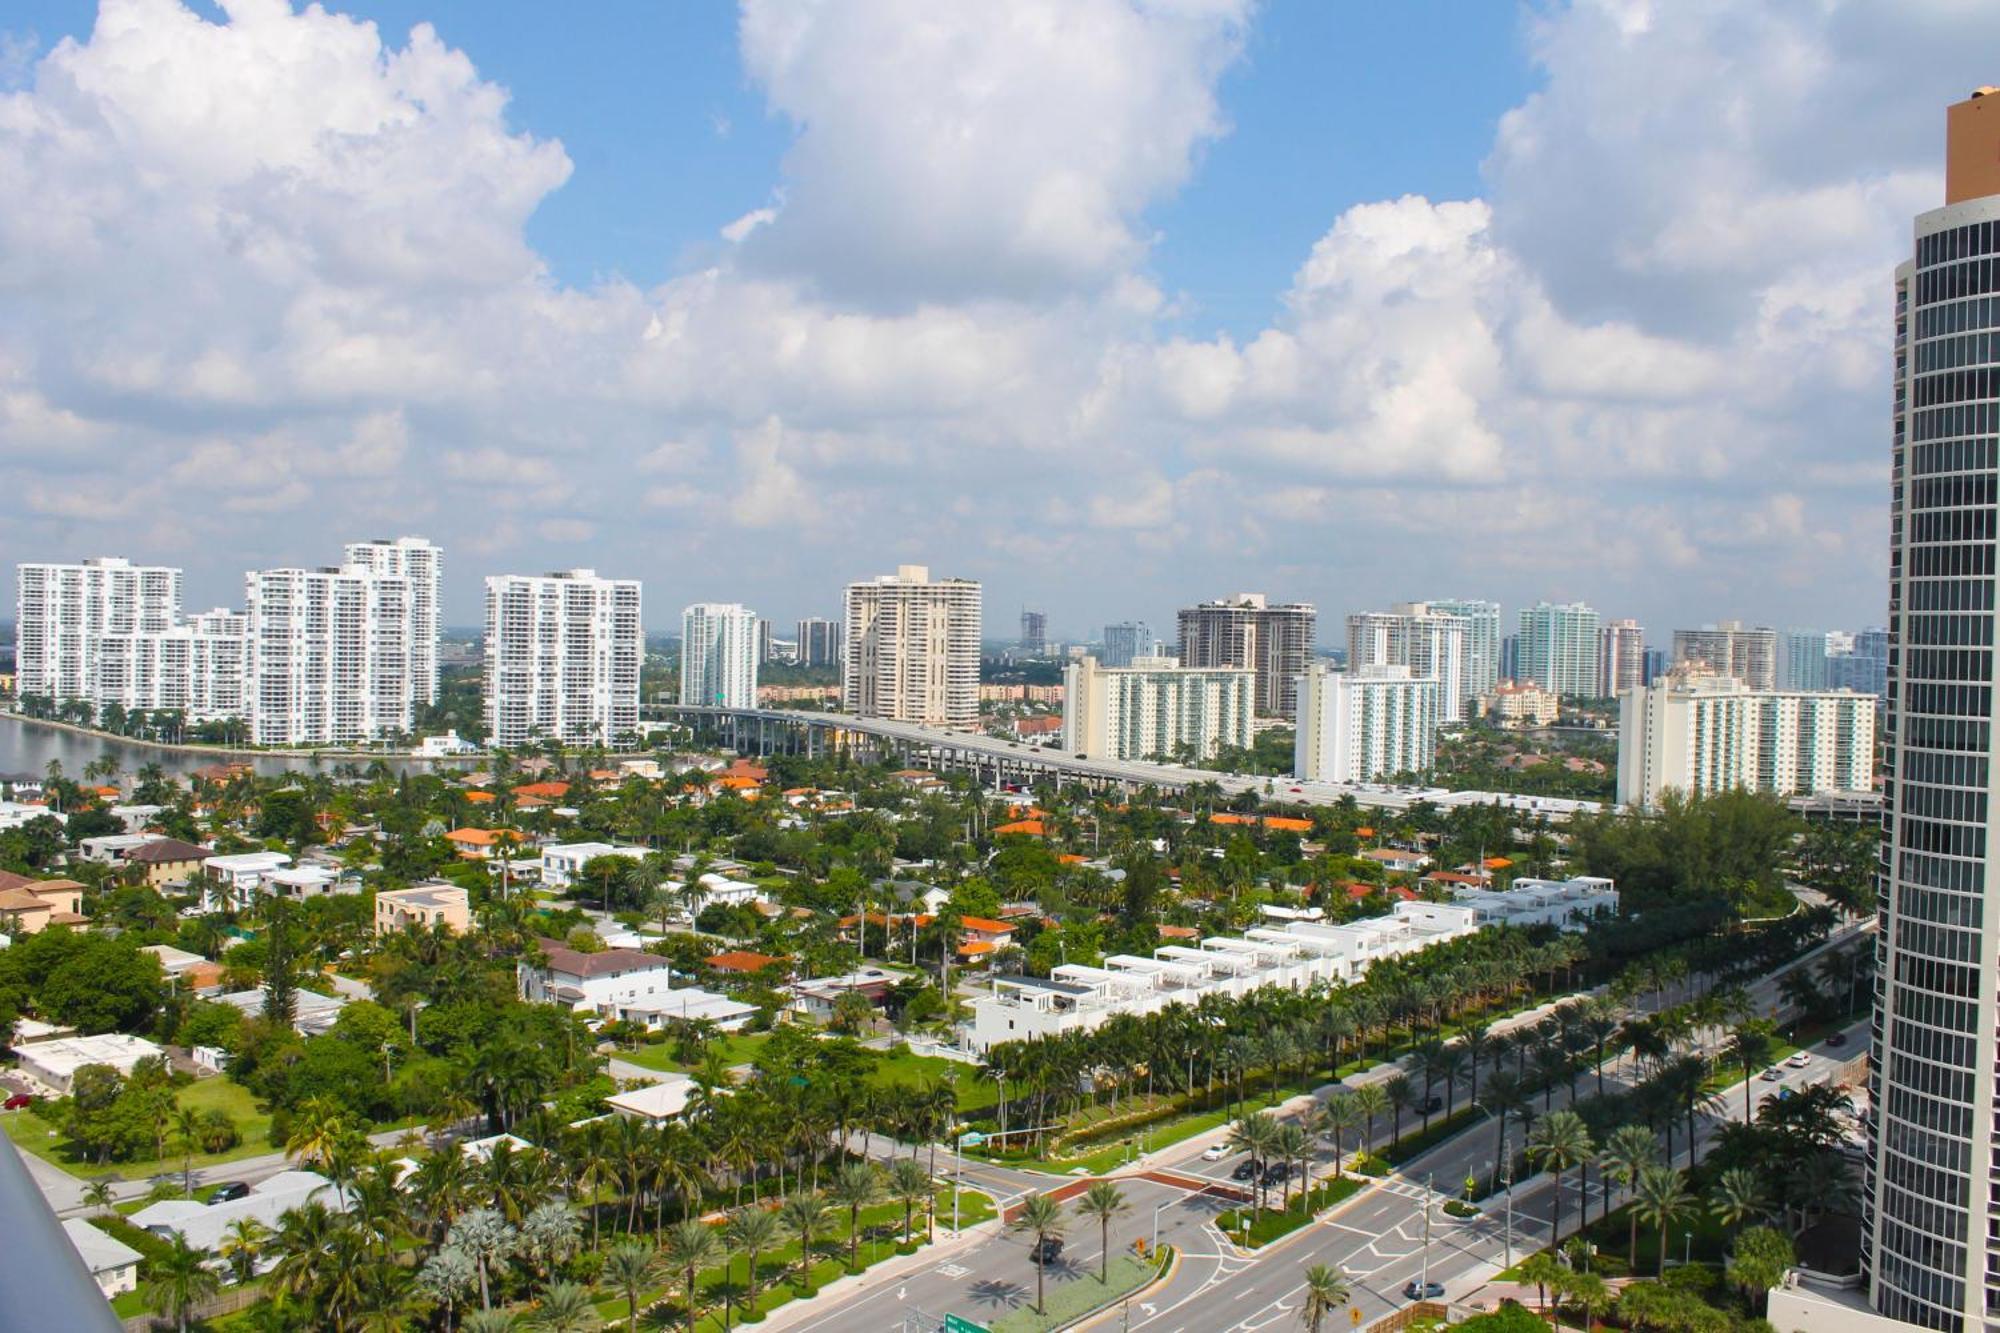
(1932,1192)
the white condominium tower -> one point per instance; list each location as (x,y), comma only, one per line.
(1431,644)
(1360,726)
(343,653)
(1248,631)
(563,653)
(1126,642)
(1698,734)
(1482,640)
(719,655)
(1621,658)
(913,649)
(422,564)
(64,612)
(1728,649)
(1154,709)
(1558,649)
(1931,1197)
(111,634)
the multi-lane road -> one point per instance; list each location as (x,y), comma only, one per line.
(1391,1234)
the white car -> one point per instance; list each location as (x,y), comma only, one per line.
(1215,1152)
(1772,1075)
(1799,1060)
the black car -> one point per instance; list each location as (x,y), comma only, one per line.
(229,1190)
(1245,1169)
(1431,1105)
(1047,1250)
(1422,1291)
(1276,1173)
(1836,1039)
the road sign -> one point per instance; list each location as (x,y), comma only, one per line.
(972,1138)
(1354,1315)
(957,1324)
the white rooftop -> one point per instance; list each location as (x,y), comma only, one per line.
(102,1253)
(655,1101)
(63,1056)
(205,1224)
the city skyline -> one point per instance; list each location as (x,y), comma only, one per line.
(1678,380)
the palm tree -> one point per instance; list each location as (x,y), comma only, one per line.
(1559,1141)
(805,1217)
(1103,1201)
(1502,1097)
(187,1134)
(490,1321)
(1738,1197)
(1290,1145)
(1338,1114)
(178,1279)
(1402,1095)
(100,1195)
(1750,1049)
(629,1267)
(1544,1270)
(689,1246)
(241,1246)
(1257,1135)
(1629,1150)
(1326,1291)
(1370,1100)
(854,1188)
(754,1230)
(1660,1198)
(566,1307)
(1042,1217)
(1589,1293)
(909,1184)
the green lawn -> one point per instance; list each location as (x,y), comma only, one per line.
(1271,1223)
(1069,1301)
(735,1049)
(33,1134)
(906,1069)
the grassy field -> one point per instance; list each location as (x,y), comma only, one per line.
(1071,1300)
(1271,1223)
(33,1134)
(735,1049)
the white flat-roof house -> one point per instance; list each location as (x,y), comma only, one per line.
(314,881)
(239,877)
(654,1102)
(1075,997)
(624,985)
(563,862)
(206,1224)
(55,1063)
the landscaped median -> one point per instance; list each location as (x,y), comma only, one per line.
(1270,1223)
(783,1278)
(1081,1297)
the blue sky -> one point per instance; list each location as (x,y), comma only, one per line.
(670,142)
(1113,304)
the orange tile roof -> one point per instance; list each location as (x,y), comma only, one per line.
(741,960)
(1029,828)
(1497,862)
(480,797)
(481,837)
(551,790)
(1072,858)
(737,782)
(1179,932)
(1364,832)
(1287,825)
(1224,817)
(975,948)
(986,924)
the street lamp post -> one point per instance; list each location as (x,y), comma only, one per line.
(1424,1270)
(1155,1246)
(1507,1150)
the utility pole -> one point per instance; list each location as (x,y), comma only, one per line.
(1507,1150)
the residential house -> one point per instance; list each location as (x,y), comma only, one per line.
(482,844)
(111,1261)
(31,906)
(563,862)
(168,862)
(623,985)
(422,907)
(238,878)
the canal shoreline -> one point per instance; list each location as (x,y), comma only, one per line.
(237,752)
